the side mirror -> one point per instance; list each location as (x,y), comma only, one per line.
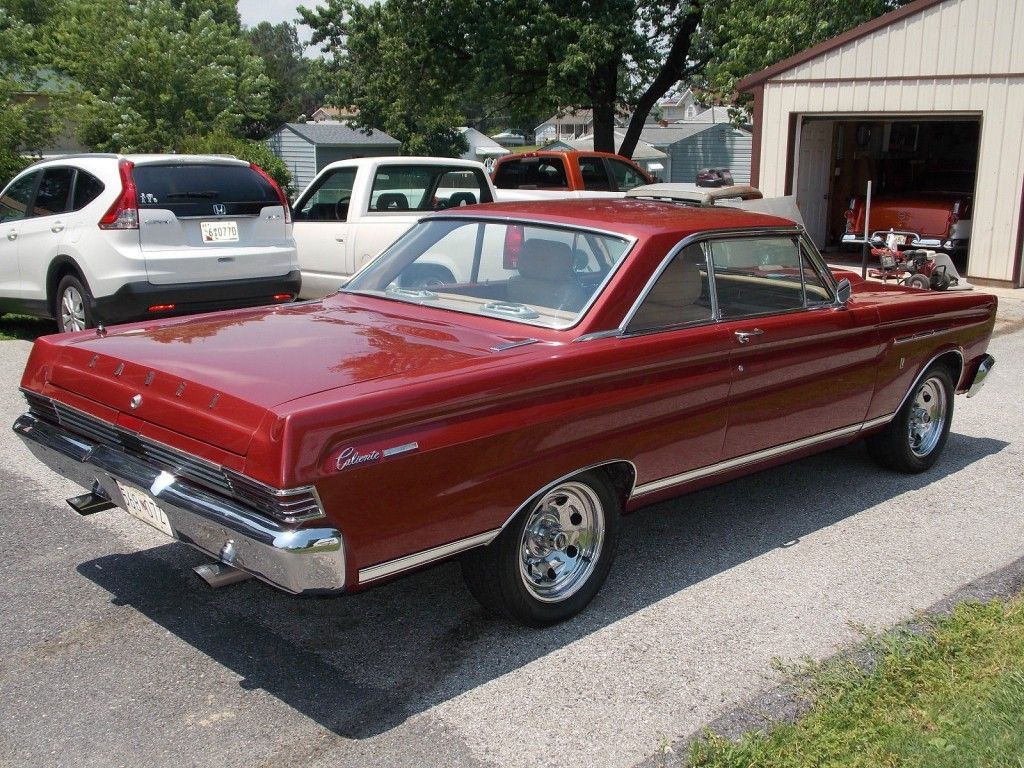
(843,292)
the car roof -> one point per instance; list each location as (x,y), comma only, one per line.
(631,217)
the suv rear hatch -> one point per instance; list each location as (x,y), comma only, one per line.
(214,219)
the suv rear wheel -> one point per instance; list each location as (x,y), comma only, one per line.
(72,307)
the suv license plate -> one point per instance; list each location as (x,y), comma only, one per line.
(137,504)
(219,231)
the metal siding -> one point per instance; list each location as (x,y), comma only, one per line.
(297,153)
(719,147)
(957,58)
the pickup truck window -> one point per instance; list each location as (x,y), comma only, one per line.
(329,199)
(531,173)
(595,175)
(625,175)
(426,188)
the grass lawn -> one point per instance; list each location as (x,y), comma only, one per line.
(950,697)
(23,327)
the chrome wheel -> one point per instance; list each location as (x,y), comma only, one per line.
(561,542)
(927,417)
(72,310)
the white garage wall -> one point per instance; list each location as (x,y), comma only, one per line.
(960,57)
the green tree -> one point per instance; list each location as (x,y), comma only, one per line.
(289,72)
(25,123)
(411,65)
(151,74)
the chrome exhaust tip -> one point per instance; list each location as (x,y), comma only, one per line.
(220,575)
(92,502)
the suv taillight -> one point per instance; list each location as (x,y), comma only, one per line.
(277,189)
(124,211)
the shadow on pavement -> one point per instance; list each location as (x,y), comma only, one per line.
(362,664)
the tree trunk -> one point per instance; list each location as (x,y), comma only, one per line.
(671,72)
(603,95)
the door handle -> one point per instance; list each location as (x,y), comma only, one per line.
(58,226)
(744,336)
(12,234)
(340,238)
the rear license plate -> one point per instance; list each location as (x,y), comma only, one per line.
(137,504)
(219,231)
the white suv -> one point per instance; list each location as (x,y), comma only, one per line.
(112,238)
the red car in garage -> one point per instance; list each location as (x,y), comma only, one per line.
(939,221)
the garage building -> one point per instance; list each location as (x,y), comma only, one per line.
(930,94)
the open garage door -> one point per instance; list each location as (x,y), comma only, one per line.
(922,168)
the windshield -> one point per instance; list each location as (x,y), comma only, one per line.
(528,273)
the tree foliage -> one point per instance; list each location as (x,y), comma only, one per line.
(154,71)
(411,66)
(221,143)
(26,123)
(292,77)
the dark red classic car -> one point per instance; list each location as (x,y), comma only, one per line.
(940,221)
(587,358)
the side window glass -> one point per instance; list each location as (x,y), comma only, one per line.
(54,193)
(15,199)
(595,177)
(757,275)
(625,175)
(680,295)
(458,188)
(329,200)
(87,189)
(816,289)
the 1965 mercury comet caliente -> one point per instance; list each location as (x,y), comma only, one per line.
(587,357)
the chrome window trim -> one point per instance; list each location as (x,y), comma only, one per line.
(629,240)
(721,234)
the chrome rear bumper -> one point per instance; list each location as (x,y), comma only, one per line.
(980,374)
(296,560)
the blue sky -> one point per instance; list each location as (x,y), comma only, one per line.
(274,11)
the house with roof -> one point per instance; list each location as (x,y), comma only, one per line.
(566,125)
(307,147)
(481,147)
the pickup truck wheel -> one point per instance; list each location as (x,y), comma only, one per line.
(552,559)
(914,439)
(72,308)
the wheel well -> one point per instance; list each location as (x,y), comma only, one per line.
(622,475)
(953,362)
(59,268)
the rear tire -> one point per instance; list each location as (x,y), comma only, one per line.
(73,305)
(914,439)
(552,559)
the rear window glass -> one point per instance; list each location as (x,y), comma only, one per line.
(426,188)
(531,173)
(87,189)
(204,190)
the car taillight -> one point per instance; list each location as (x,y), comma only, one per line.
(514,237)
(277,189)
(850,218)
(124,211)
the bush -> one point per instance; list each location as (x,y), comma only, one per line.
(254,151)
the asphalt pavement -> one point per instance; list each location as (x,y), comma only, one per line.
(112,652)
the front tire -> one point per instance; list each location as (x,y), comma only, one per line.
(73,306)
(914,439)
(552,559)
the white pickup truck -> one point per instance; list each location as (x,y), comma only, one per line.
(354,209)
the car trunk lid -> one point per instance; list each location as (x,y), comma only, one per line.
(214,378)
